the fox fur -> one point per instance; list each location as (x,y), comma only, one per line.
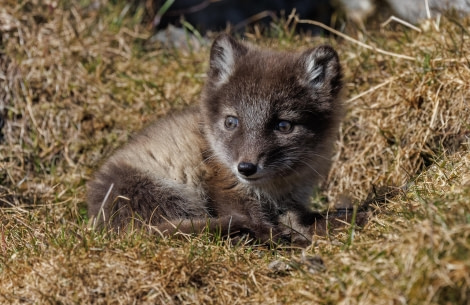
(244,161)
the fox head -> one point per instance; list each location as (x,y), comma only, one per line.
(271,115)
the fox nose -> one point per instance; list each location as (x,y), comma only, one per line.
(246,168)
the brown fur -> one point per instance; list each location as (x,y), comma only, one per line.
(182,173)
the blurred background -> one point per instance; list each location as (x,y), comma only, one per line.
(217,15)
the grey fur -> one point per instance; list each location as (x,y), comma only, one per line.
(180,173)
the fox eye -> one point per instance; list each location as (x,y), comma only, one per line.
(284,126)
(231,122)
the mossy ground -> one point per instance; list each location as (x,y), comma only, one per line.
(76,79)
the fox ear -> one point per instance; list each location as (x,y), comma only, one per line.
(224,53)
(322,68)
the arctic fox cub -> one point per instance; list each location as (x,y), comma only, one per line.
(244,162)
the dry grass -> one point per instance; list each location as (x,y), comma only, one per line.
(75,80)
